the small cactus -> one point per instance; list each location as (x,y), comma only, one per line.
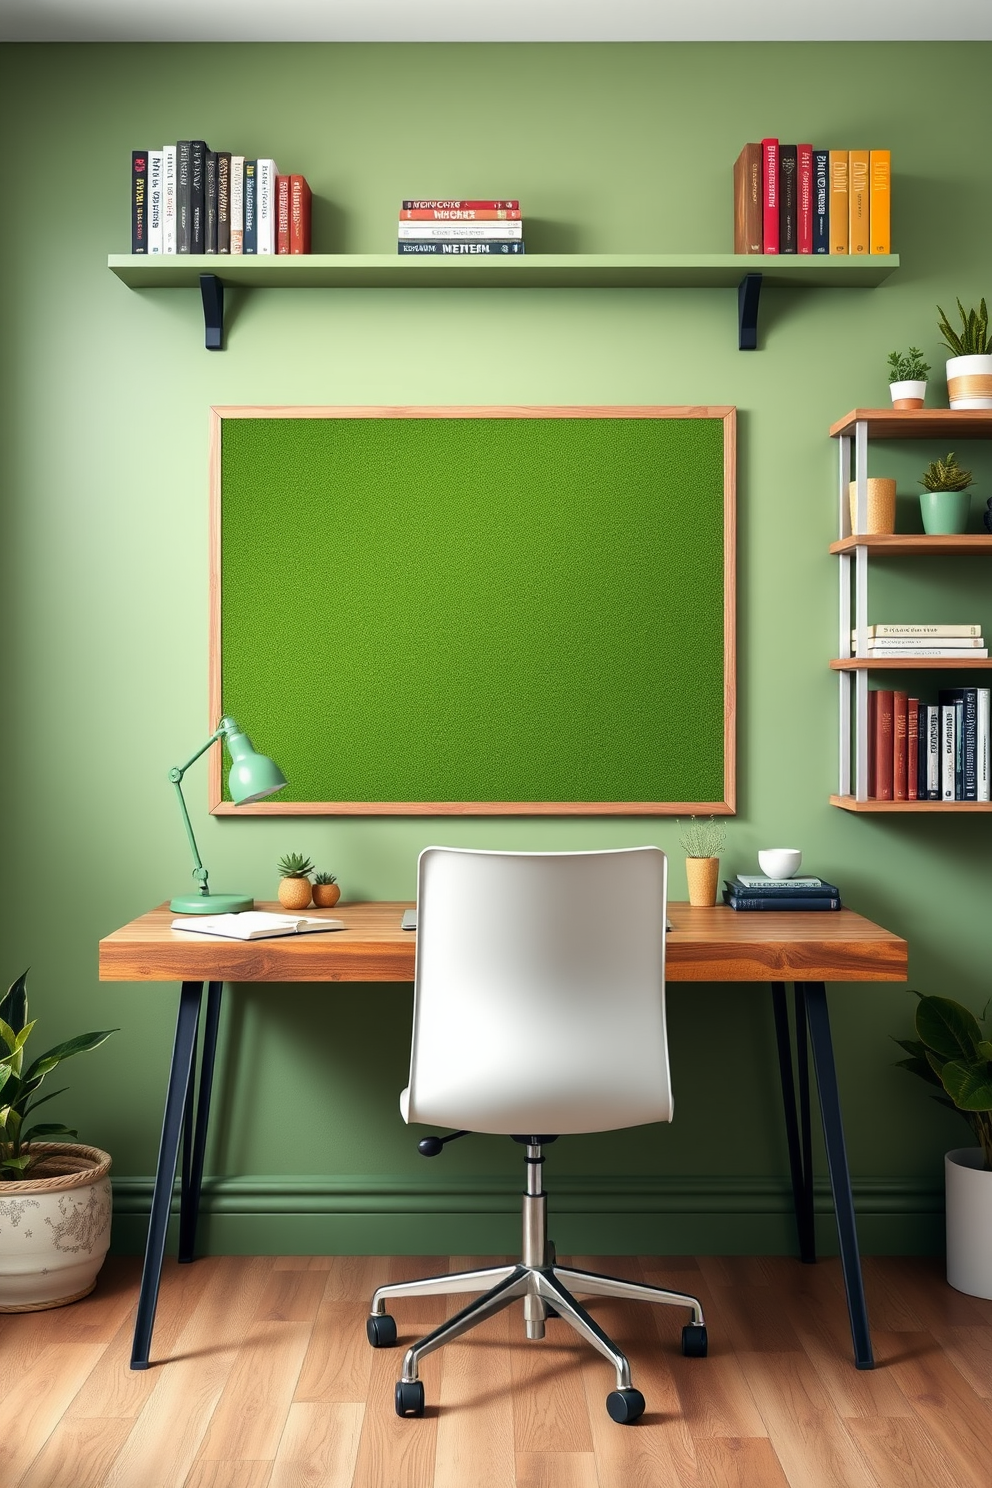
(325,878)
(946,475)
(295,865)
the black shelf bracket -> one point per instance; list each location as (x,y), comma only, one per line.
(212,294)
(748,294)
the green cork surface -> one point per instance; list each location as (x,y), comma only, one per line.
(477,609)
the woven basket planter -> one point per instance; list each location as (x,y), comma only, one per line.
(54,1228)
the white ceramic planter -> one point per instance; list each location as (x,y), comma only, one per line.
(969,382)
(968,1194)
(907,394)
(54,1228)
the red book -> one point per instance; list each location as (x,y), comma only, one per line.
(769,196)
(804,192)
(299,215)
(282,214)
(912,748)
(872,725)
(485,206)
(900,739)
(884,758)
(460,214)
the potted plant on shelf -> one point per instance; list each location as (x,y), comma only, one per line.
(326,891)
(944,502)
(969,369)
(294,881)
(908,378)
(55,1201)
(703,840)
(954,1054)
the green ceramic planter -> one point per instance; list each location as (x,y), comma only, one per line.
(945,512)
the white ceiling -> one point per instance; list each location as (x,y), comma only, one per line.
(495,20)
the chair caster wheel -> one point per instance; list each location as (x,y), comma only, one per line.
(625,1406)
(380,1330)
(409,1398)
(694,1341)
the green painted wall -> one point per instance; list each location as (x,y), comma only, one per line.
(104,595)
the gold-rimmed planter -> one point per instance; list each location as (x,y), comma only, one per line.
(969,382)
(54,1228)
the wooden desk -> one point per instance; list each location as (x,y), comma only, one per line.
(704,945)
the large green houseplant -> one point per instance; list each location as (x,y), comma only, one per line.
(969,367)
(55,1194)
(953,1053)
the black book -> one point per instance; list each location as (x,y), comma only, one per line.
(139,201)
(784,902)
(182,197)
(251,207)
(821,204)
(210,192)
(922,746)
(197,196)
(788,200)
(965,701)
(223,201)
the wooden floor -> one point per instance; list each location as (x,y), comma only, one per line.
(262,1378)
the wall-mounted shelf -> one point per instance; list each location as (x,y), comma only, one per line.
(908,544)
(748,273)
(849,803)
(908,664)
(915,423)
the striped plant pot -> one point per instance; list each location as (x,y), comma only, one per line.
(54,1228)
(969,382)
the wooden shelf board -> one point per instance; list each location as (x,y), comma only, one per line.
(533,270)
(906,544)
(911,664)
(917,423)
(848,803)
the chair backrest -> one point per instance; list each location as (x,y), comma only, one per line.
(539,1001)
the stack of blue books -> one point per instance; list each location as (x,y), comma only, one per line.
(755,891)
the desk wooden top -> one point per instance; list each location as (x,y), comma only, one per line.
(704,945)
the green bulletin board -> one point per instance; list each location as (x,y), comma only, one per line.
(479,610)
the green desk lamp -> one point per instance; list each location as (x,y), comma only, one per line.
(253,777)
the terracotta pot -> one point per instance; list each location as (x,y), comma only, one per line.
(908,394)
(294,893)
(325,896)
(881,504)
(702,875)
(54,1228)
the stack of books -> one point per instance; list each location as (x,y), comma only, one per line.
(187,198)
(461,227)
(797,199)
(923,642)
(755,891)
(919,751)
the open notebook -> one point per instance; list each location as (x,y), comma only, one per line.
(255,924)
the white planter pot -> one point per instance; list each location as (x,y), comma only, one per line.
(968,1193)
(54,1228)
(969,382)
(907,394)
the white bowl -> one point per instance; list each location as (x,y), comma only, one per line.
(780,862)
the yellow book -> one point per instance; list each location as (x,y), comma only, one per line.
(880,172)
(838,201)
(858,199)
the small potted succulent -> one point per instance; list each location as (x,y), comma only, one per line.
(969,368)
(908,378)
(54,1194)
(953,1053)
(702,841)
(294,881)
(944,501)
(326,891)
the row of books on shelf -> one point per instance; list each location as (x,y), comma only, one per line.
(798,199)
(753,891)
(187,198)
(922,751)
(486,226)
(922,643)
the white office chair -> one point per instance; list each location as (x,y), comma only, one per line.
(539,1010)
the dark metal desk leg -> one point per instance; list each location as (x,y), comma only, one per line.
(165,1175)
(799,1162)
(805,1116)
(194,1151)
(815,999)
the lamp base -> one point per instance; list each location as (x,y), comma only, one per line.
(204,904)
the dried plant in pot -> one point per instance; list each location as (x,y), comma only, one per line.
(55,1199)
(703,839)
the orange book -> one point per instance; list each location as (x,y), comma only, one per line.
(879,217)
(858,201)
(838,201)
(900,745)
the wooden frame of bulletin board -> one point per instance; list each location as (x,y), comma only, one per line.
(477,611)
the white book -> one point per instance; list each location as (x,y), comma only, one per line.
(933,752)
(917,643)
(922,630)
(926,653)
(265,206)
(237,204)
(762,881)
(459,232)
(255,924)
(156,200)
(948,750)
(169,199)
(984,745)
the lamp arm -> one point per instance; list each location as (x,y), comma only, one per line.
(176,776)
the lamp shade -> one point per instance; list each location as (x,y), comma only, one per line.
(253,776)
